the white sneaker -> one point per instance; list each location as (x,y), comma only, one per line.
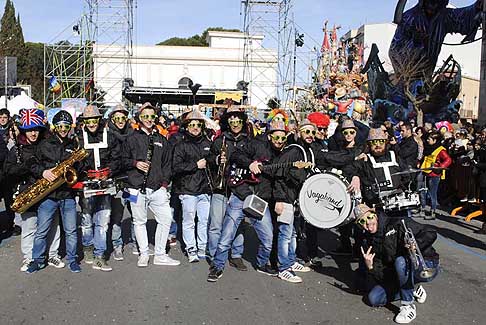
(297,267)
(25,264)
(289,276)
(407,314)
(165,260)
(56,262)
(420,294)
(143,261)
(193,258)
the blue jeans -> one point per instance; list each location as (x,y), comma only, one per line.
(380,296)
(287,244)
(29,227)
(432,189)
(117,210)
(192,205)
(96,212)
(232,219)
(45,217)
(216,215)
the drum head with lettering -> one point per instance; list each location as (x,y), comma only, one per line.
(324,201)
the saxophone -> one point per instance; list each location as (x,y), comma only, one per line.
(64,172)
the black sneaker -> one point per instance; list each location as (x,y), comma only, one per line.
(238,264)
(267,269)
(214,274)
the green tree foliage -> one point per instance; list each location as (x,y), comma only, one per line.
(196,40)
(30,56)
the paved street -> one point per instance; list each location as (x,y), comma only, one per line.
(181,295)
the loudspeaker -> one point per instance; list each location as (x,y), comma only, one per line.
(255,206)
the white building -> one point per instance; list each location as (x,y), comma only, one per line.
(159,72)
(468,56)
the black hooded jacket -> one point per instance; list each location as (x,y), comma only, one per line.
(191,179)
(255,150)
(388,244)
(136,148)
(51,152)
(18,165)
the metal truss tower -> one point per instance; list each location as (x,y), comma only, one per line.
(275,21)
(91,58)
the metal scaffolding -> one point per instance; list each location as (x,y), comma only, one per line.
(80,58)
(275,21)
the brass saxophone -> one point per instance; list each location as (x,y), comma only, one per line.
(36,192)
(219,180)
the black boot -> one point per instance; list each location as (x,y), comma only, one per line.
(431,216)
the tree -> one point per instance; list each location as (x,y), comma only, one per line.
(196,40)
(11,35)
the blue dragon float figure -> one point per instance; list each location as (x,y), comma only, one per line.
(416,87)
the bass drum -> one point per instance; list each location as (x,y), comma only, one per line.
(324,201)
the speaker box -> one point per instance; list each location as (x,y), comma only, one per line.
(255,206)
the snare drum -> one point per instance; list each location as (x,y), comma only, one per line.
(401,201)
(325,202)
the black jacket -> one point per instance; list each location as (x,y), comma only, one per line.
(373,180)
(19,162)
(233,143)
(136,148)
(255,150)
(109,157)
(289,180)
(3,157)
(407,150)
(51,152)
(388,244)
(187,152)
(480,159)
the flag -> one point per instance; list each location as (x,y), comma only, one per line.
(88,86)
(31,118)
(54,85)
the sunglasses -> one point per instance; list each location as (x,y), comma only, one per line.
(119,119)
(63,127)
(282,138)
(278,118)
(363,220)
(91,121)
(235,122)
(349,132)
(148,117)
(322,129)
(195,125)
(377,142)
(307,131)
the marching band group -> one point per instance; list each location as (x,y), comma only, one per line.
(222,184)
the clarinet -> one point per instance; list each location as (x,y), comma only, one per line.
(150,153)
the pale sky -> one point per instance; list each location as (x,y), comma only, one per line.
(157,20)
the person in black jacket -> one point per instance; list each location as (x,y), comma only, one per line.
(51,152)
(119,127)
(101,164)
(479,163)
(377,173)
(190,167)
(18,171)
(407,149)
(390,259)
(288,182)
(251,157)
(147,156)
(234,135)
